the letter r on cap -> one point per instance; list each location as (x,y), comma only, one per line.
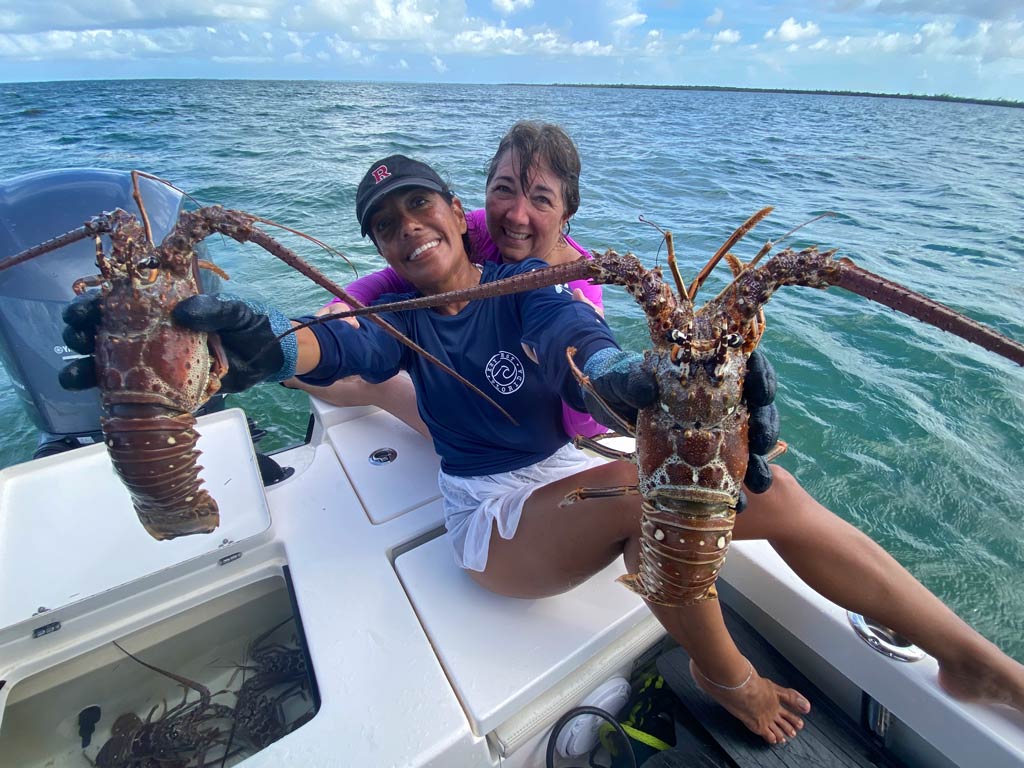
(380,173)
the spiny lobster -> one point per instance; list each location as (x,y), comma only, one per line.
(180,735)
(691,445)
(153,374)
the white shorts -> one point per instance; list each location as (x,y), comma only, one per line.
(471,503)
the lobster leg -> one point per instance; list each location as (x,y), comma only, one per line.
(594,444)
(581,494)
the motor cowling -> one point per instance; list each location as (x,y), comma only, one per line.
(34,208)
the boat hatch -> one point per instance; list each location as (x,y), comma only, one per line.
(68,530)
(235,677)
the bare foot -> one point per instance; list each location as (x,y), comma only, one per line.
(765,708)
(988,676)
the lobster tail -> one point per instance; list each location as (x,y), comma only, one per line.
(682,551)
(877,288)
(155,457)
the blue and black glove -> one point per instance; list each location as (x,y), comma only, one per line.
(620,379)
(248,332)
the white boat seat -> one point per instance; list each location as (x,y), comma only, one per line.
(516,664)
(391,466)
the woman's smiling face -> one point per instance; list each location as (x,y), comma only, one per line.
(524,223)
(419,233)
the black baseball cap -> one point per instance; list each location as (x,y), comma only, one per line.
(387,175)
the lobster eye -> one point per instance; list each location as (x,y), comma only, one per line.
(733,340)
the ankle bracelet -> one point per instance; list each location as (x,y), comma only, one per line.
(709,681)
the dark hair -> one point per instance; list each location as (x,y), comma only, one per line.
(535,141)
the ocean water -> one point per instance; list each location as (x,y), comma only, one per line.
(914,436)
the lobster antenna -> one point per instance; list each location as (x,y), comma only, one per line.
(673,265)
(771,244)
(315,241)
(137,195)
(734,238)
(145,219)
(391,331)
(764,249)
(651,223)
(183,681)
(281,251)
(166,183)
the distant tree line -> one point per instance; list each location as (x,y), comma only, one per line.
(921,97)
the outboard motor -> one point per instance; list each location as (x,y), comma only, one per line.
(37,207)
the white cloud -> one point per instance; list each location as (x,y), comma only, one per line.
(726,37)
(439,66)
(516,41)
(240,11)
(343,49)
(791,30)
(654,45)
(632,20)
(938,40)
(715,18)
(508,7)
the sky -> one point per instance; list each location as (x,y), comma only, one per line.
(969,48)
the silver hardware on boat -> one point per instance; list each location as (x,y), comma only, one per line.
(383,456)
(878,717)
(46,629)
(883,639)
(229,558)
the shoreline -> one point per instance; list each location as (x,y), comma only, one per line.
(797,91)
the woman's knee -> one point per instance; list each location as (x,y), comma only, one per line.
(782,512)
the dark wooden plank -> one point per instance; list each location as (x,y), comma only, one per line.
(829,737)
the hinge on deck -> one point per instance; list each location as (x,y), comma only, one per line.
(46,629)
(875,717)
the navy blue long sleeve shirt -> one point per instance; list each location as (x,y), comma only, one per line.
(484,343)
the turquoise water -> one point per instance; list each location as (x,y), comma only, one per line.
(914,436)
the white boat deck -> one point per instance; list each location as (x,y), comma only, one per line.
(416,665)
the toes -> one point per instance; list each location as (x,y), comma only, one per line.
(794,700)
(791,722)
(787,727)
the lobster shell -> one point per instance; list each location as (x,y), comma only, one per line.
(152,374)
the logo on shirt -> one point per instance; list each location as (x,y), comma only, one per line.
(559,288)
(505,372)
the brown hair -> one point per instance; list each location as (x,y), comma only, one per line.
(543,142)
